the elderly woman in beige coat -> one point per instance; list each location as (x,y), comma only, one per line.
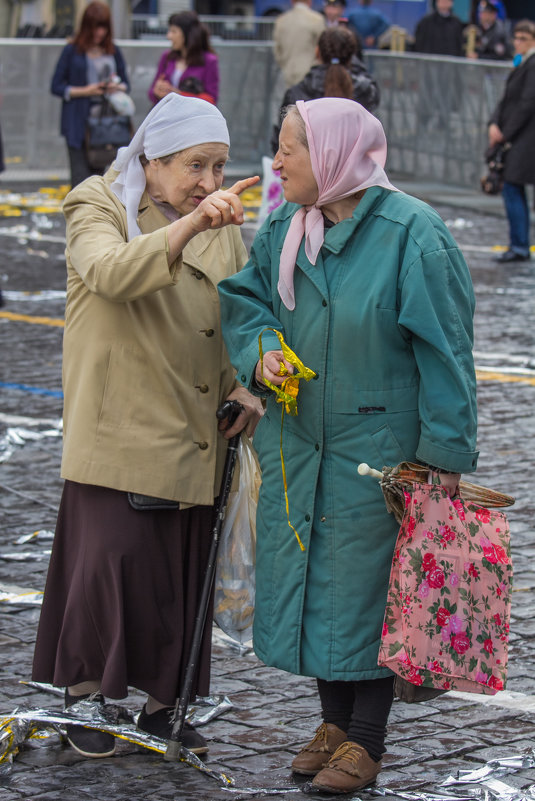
(144,370)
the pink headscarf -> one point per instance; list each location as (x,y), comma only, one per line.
(348,152)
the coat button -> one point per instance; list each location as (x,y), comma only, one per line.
(316,446)
(209,332)
(203,388)
(307,518)
(244,379)
(323,519)
(202,445)
(324,302)
(198,275)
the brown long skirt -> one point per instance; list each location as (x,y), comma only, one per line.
(121,596)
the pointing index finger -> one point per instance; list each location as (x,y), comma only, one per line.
(245,183)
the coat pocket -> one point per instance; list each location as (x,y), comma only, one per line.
(135,396)
(388,448)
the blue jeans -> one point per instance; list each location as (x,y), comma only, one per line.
(517,209)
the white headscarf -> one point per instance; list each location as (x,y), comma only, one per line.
(175,123)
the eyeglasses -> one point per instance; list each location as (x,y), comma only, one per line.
(522,38)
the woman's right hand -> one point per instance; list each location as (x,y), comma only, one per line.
(271,368)
(221,208)
(217,210)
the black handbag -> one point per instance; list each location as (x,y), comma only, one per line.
(492,182)
(106,132)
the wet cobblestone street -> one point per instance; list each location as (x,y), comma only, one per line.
(273,713)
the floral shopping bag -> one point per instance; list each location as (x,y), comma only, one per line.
(447,615)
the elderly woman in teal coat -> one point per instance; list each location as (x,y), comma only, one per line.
(367,286)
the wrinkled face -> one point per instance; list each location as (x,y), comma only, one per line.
(292,160)
(523,42)
(444,6)
(176,37)
(192,175)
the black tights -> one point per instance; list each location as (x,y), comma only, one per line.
(360,708)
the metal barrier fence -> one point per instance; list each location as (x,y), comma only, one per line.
(434,110)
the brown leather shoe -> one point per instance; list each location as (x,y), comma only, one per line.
(349,768)
(314,756)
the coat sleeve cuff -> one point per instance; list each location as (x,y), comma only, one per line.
(246,370)
(453,461)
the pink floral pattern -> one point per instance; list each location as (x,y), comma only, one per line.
(447,615)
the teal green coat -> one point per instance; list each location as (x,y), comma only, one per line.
(384,318)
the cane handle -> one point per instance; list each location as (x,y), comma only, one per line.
(365,470)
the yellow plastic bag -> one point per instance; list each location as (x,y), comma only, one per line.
(234,592)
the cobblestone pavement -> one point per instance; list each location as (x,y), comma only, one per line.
(273,712)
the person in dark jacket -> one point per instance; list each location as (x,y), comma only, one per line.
(493,41)
(513,121)
(88,68)
(340,73)
(440,32)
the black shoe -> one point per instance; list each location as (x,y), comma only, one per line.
(89,742)
(159,724)
(511,255)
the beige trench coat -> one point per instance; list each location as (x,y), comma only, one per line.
(144,363)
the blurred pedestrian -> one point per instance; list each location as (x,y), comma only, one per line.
(190,63)
(144,370)
(295,37)
(368,287)
(440,32)
(441,88)
(89,67)
(368,22)
(333,11)
(493,40)
(513,121)
(339,74)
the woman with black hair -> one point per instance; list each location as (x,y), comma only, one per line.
(340,73)
(190,64)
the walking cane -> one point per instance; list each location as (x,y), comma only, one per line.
(230,410)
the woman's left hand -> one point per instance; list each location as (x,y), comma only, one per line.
(450,482)
(495,134)
(248,418)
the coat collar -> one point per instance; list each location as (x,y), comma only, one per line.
(336,237)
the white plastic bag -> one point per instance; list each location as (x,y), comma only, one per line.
(121,103)
(235,578)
